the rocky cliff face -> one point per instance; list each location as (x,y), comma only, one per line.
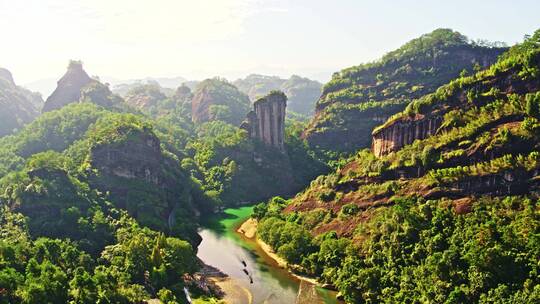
(18,106)
(267,121)
(405,129)
(354,101)
(139,178)
(200,107)
(402,133)
(138,158)
(68,88)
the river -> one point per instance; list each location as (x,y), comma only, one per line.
(222,247)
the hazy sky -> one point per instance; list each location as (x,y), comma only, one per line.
(202,38)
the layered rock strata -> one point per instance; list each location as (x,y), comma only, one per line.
(402,133)
(267,120)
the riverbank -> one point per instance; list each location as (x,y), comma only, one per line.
(229,290)
(234,255)
(249,230)
(233,292)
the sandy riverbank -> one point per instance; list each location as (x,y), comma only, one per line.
(249,230)
(234,293)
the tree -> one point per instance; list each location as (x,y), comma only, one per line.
(532,106)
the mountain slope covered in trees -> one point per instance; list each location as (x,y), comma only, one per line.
(217,99)
(87,195)
(359,98)
(449,216)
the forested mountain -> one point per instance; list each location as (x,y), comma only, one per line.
(18,106)
(93,179)
(359,98)
(100,201)
(302,93)
(103,194)
(217,99)
(145,95)
(444,209)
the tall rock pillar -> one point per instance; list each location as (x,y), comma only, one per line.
(267,120)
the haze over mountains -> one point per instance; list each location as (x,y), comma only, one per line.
(414,178)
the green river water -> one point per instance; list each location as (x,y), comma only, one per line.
(222,247)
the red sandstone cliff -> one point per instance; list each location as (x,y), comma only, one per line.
(405,129)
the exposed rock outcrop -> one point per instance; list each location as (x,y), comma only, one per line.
(138,158)
(267,120)
(405,129)
(69,87)
(402,133)
(356,98)
(141,179)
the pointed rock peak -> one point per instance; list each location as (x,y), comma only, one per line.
(69,87)
(75,65)
(6,75)
(75,73)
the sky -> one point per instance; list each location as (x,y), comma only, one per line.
(197,39)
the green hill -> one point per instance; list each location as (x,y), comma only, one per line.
(448,212)
(217,99)
(359,98)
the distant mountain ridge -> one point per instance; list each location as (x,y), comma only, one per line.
(301,92)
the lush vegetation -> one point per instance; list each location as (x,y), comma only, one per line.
(521,61)
(238,169)
(359,98)
(96,255)
(420,251)
(98,200)
(452,218)
(218,99)
(69,233)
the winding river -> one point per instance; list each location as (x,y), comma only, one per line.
(222,247)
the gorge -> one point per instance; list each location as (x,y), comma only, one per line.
(417,179)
